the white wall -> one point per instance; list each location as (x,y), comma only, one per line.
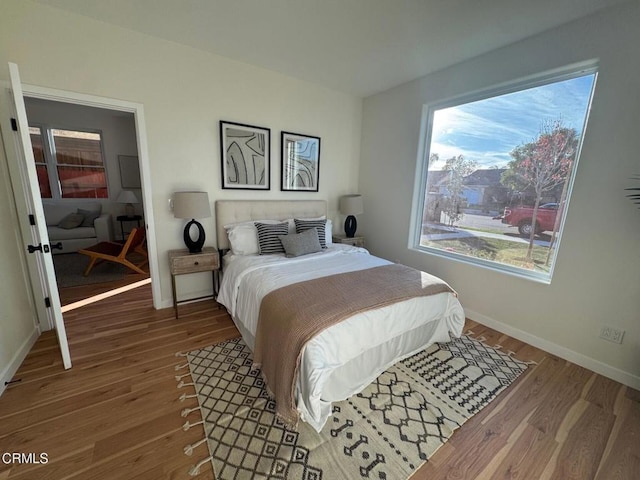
(597,274)
(185,93)
(118,138)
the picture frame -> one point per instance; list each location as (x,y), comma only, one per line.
(245,156)
(129,171)
(300,162)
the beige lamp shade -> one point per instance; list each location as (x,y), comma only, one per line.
(351,205)
(127,196)
(191,205)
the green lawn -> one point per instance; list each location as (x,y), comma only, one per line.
(504,251)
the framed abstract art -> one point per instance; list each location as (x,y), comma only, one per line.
(300,162)
(245,156)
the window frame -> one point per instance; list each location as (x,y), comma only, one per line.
(51,160)
(422,165)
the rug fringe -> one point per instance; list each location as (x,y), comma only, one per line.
(187,411)
(188,425)
(497,347)
(195,470)
(469,333)
(188,450)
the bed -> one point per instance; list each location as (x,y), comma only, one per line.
(344,358)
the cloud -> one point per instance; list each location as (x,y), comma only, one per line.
(487,130)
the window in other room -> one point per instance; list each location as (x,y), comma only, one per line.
(70,163)
(496,170)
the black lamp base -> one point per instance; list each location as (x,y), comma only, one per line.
(194,246)
(350,226)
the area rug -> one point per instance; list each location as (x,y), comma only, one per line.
(70,267)
(385,432)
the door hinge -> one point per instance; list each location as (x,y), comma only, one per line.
(14,124)
(47,302)
(34,248)
(32,219)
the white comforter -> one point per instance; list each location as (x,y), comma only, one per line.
(345,358)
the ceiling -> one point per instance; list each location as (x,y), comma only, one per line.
(356,46)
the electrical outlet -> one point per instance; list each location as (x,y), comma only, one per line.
(611,334)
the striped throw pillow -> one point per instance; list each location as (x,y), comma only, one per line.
(268,241)
(319,225)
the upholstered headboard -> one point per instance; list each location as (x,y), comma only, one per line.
(231,211)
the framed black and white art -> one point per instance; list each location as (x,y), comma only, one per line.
(300,162)
(245,156)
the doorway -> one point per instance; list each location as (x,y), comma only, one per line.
(120,174)
(88,164)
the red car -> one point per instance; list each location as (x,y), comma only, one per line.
(522,217)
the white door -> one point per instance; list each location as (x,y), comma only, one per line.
(33,226)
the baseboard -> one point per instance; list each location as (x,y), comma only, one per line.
(592,364)
(10,370)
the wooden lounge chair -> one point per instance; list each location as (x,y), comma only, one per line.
(117,252)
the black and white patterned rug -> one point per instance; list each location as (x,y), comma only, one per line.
(385,432)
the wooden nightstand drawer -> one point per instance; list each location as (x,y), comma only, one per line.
(184,262)
(355,241)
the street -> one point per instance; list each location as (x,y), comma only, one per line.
(496,228)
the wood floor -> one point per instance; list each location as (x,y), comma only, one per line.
(74,294)
(116,413)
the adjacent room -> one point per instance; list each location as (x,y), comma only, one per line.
(88,177)
(334,240)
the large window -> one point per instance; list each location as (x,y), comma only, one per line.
(69,163)
(496,171)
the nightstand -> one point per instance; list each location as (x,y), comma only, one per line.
(182,262)
(355,241)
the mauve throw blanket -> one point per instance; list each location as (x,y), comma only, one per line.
(291,316)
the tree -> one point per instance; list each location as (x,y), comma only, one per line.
(458,168)
(542,166)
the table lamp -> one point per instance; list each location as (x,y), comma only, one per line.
(192,205)
(351,205)
(128,197)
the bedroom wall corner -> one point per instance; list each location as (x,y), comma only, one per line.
(597,274)
(185,93)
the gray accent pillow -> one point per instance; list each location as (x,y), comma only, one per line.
(303,243)
(89,217)
(73,220)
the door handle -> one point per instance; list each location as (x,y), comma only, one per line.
(56,246)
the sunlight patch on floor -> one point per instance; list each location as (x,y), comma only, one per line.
(102,296)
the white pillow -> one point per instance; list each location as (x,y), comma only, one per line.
(243,239)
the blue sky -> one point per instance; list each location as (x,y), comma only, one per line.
(487,130)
